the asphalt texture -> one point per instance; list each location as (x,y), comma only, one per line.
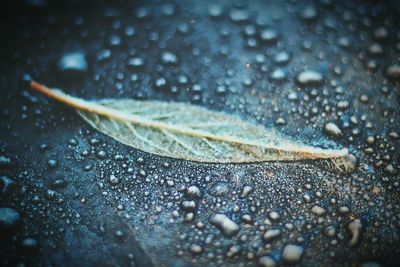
(325,73)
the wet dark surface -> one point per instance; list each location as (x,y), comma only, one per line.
(71,196)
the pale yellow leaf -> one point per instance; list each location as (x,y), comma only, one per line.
(190,132)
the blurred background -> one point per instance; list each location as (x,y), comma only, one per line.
(324,72)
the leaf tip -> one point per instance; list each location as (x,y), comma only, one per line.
(345,163)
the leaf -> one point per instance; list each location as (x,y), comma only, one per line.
(189,132)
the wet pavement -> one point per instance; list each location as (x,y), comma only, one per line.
(326,73)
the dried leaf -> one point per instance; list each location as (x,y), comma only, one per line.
(191,132)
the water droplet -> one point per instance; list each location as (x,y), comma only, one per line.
(269,36)
(215,10)
(292,253)
(168,9)
(239,15)
(393,72)
(381,33)
(103,55)
(246,191)
(224,224)
(136,62)
(9,220)
(282,58)
(273,215)
(193,192)
(308,78)
(7,184)
(101,154)
(52,163)
(188,205)
(29,244)
(309,13)
(73,62)
(113,180)
(219,189)
(272,234)
(169,58)
(278,75)
(195,249)
(317,210)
